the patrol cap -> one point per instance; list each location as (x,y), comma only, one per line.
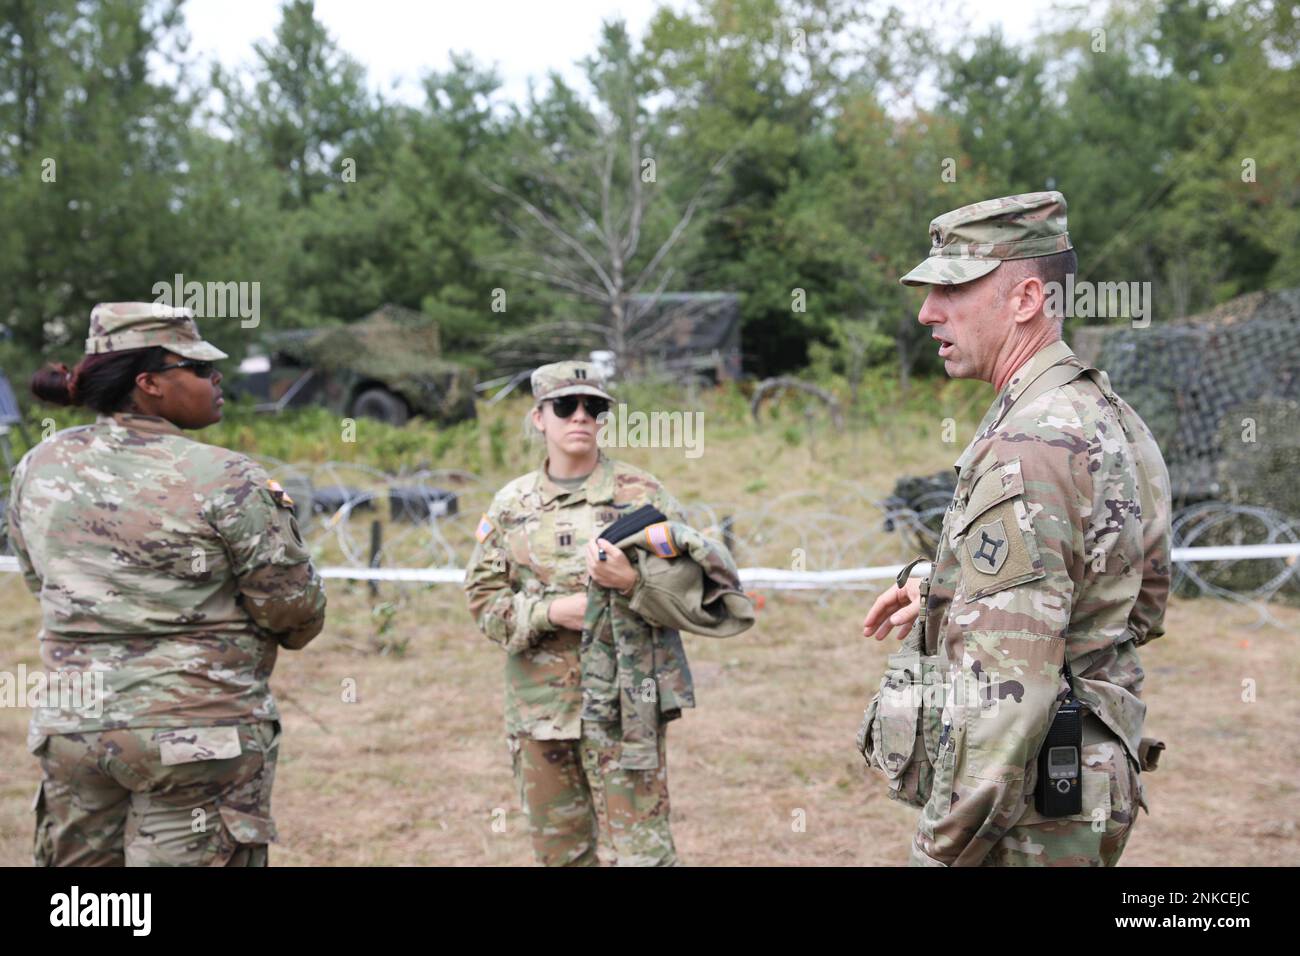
(118,326)
(972,241)
(569,378)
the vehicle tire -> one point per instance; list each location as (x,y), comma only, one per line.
(381,404)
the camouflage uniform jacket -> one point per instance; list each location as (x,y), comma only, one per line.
(171,566)
(530,551)
(1055,547)
(682,577)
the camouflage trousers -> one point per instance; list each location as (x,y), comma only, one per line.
(584,810)
(1095,837)
(157,797)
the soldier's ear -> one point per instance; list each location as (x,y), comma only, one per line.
(1032,298)
(146,383)
(537,418)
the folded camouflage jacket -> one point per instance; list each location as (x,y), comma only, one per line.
(684,580)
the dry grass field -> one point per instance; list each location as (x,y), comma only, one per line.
(413,770)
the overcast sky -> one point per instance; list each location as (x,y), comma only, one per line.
(398,40)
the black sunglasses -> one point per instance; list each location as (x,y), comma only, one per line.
(201,369)
(566,405)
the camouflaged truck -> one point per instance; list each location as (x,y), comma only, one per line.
(387,366)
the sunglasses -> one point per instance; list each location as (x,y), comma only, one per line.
(565,406)
(200,369)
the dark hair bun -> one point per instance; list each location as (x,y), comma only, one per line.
(53,384)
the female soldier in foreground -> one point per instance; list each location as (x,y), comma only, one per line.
(171,571)
(527,588)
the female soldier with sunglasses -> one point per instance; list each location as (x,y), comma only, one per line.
(169,573)
(527,589)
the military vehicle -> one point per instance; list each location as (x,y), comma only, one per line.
(387,366)
(690,333)
(691,337)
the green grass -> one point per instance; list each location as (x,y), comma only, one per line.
(496,443)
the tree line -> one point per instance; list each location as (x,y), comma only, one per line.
(792,151)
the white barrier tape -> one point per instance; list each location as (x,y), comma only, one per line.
(782,579)
(1236,552)
(427,575)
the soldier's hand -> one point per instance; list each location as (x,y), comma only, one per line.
(615,571)
(568,611)
(895,608)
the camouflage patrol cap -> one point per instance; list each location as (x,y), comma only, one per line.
(569,378)
(118,326)
(972,241)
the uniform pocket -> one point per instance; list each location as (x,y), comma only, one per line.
(899,731)
(248,827)
(244,808)
(897,716)
(241,839)
(195,744)
(1095,804)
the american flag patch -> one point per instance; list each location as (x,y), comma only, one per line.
(660,540)
(484,528)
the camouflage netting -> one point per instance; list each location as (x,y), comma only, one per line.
(1261,454)
(389,342)
(398,347)
(1195,382)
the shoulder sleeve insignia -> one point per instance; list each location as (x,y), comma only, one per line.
(987,546)
(996,553)
(484,528)
(279,494)
(660,539)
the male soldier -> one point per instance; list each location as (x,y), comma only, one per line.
(1053,564)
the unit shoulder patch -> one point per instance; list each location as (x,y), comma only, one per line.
(996,552)
(987,546)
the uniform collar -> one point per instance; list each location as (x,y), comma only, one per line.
(1038,363)
(597,489)
(142,423)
